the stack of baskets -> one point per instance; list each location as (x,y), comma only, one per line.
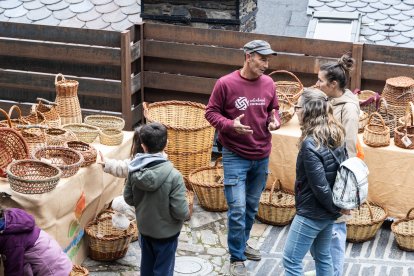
(376,133)
(32,177)
(110,128)
(107,243)
(404,135)
(292,89)
(190,135)
(365,222)
(404,232)
(277,205)
(207,183)
(398,92)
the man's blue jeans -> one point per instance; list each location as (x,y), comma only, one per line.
(308,234)
(338,247)
(244,181)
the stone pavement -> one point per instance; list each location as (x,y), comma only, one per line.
(202,250)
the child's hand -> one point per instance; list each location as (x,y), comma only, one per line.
(102,162)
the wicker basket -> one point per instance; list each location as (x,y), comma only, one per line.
(78,270)
(34,135)
(32,177)
(406,132)
(105,121)
(67,100)
(376,134)
(207,183)
(403,230)
(190,136)
(12,147)
(365,222)
(292,89)
(59,137)
(68,160)
(277,205)
(35,118)
(286,108)
(389,118)
(111,136)
(85,133)
(14,122)
(48,109)
(88,152)
(107,243)
(398,92)
(363,121)
(368,100)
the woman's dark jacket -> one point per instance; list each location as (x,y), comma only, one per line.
(315,176)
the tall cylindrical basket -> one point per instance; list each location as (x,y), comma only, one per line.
(67,100)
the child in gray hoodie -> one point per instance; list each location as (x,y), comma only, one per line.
(157,191)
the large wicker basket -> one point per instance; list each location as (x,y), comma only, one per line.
(88,152)
(48,109)
(107,243)
(376,134)
(286,108)
(403,230)
(277,205)
(398,92)
(32,177)
(365,222)
(406,132)
(292,89)
(105,121)
(66,159)
(78,270)
(207,183)
(190,136)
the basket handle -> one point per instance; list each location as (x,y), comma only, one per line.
(378,116)
(62,78)
(370,210)
(272,189)
(18,110)
(7,117)
(288,73)
(409,112)
(382,100)
(41,100)
(408,213)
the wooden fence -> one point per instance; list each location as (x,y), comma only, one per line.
(155,62)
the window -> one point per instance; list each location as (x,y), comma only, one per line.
(336,26)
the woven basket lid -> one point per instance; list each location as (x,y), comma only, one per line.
(400,81)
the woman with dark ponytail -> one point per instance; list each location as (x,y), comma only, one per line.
(333,80)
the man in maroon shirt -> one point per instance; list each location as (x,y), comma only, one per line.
(243,108)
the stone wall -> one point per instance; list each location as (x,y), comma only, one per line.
(237,15)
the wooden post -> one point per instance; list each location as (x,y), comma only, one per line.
(357,54)
(126,78)
(142,28)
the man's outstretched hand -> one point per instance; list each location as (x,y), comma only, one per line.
(274,123)
(240,128)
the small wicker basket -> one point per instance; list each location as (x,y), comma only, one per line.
(286,108)
(107,243)
(389,118)
(292,89)
(277,205)
(88,152)
(14,122)
(403,230)
(32,177)
(58,136)
(111,136)
(406,132)
(78,270)
(365,222)
(376,134)
(207,183)
(85,133)
(66,159)
(368,100)
(48,109)
(105,121)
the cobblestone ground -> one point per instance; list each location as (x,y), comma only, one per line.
(202,250)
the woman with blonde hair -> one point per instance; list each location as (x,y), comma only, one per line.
(316,167)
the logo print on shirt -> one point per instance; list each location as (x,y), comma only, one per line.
(242,103)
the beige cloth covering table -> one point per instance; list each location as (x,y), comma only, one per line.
(55,211)
(391,179)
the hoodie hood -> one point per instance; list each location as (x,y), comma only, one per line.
(150,179)
(17,221)
(141,160)
(347,97)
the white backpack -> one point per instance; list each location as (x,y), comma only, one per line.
(350,189)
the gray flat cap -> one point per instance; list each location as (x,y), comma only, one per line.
(259,46)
